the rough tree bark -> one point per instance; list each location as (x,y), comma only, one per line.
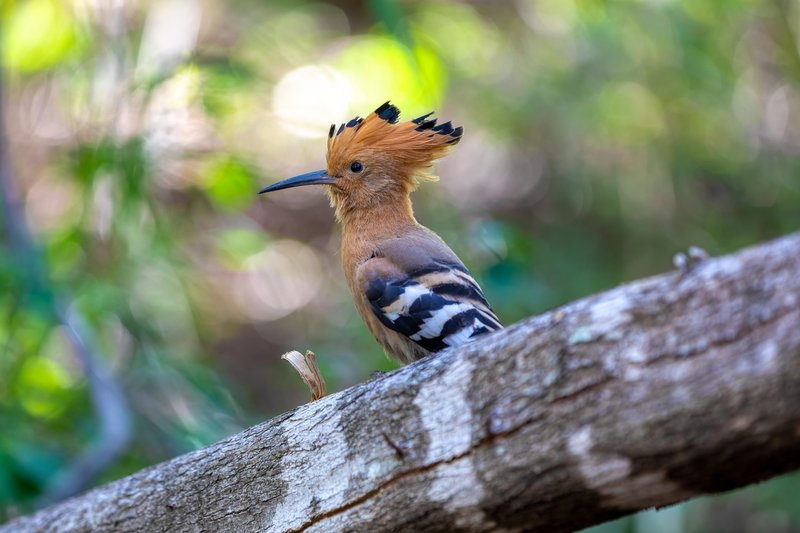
(648,394)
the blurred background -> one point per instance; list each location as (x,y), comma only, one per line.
(147,292)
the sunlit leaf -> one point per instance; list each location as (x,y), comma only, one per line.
(380,68)
(39,34)
(41,386)
(229,184)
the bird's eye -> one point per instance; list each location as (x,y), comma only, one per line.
(356,167)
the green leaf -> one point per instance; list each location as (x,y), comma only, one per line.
(38,35)
(229,183)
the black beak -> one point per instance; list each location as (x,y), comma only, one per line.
(318,177)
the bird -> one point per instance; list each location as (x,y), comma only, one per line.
(412,291)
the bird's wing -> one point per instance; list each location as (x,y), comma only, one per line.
(436,306)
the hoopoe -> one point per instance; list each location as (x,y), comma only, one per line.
(414,294)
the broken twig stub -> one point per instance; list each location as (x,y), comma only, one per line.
(309,372)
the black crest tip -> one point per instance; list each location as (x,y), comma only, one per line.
(426,125)
(388,112)
(331,131)
(444,129)
(456,135)
(419,120)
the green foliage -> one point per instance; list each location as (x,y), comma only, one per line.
(229,184)
(601,138)
(40,34)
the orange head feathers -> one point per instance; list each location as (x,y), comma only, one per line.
(375,160)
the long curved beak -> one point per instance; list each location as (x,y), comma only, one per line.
(318,177)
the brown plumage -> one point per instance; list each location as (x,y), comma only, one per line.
(414,294)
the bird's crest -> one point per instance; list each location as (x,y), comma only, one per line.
(408,147)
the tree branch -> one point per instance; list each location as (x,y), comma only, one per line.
(645,395)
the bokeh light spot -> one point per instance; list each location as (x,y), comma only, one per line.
(229,184)
(41,384)
(380,69)
(280,280)
(38,34)
(307,99)
(444,24)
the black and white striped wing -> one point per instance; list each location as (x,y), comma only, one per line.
(436,307)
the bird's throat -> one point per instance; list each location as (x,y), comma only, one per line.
(382,219)
(364,230)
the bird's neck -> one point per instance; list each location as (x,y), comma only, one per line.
(380,220)
(365,229)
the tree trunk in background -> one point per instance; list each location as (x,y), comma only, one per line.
(683,384)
